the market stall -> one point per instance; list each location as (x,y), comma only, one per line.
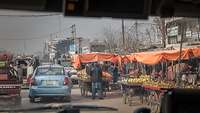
(154,76)
(86,85)
(80,62)
(132,86)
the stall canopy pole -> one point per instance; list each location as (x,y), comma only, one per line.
(181,43)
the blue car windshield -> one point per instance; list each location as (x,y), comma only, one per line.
(50,71)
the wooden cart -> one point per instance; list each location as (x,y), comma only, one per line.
(86,87)
(152,96)
(129,91)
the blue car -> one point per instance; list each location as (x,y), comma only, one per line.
(50,81)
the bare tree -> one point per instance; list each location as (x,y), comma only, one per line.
(110,39)
(148,34)
(160,23)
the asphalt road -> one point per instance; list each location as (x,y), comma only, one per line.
(113,99)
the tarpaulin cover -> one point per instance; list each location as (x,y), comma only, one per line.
(93,57)
(196,52)
(76,61)
(155,57)
(150,58)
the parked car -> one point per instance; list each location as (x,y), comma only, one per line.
(50,81)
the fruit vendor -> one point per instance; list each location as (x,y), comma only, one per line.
(113,70)
(96,78)
(115,74)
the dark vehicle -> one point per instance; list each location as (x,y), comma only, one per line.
(10,86)
(24,63)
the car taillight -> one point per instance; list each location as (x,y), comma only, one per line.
(32,82)
(66,81)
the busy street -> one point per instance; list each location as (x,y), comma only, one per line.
(112,100)
(99,56)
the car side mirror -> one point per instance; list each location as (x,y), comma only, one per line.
(142,110)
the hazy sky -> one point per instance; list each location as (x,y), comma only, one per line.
(13,30)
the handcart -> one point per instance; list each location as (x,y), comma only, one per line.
(86,87)
(129,91)
(152,96)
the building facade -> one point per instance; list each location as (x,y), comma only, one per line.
(187,28)
(97,46)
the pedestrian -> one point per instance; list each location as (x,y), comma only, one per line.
(111,68)
(29,72)
(96,78)
(20,73)
(87,67)
(12,71)
(115,73)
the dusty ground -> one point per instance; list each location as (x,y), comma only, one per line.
(113,99)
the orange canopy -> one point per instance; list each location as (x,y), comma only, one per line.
(76,61)
(93,57)
(155,57)
(148,57)
(196,52)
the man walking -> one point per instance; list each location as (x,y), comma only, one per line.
(96,81)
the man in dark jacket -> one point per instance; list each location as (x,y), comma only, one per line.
(96,78)
(115,74)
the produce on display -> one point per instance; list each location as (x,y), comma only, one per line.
(83,76)
(190,86)
(159,84)
(146,80)
(106,76)
(134,80)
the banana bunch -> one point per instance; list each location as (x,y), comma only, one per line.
(83,76)
(139,80)
(190,87)
(161,84)
(166,84)
(82,72)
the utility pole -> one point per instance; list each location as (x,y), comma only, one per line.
(24,47)
(180,53)
(60,23)
(73,31)
(199,28)
(123,37)
(79,44)
(136,31)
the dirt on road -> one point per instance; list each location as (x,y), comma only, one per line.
(112,99)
